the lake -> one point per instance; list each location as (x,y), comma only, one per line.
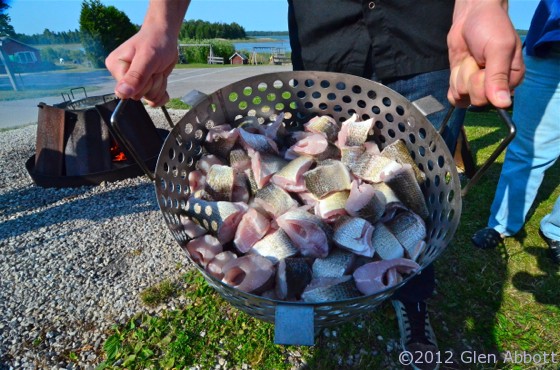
(282,42)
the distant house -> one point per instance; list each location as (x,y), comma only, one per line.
(238,58)
(22,57)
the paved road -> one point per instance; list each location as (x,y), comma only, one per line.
(207,80)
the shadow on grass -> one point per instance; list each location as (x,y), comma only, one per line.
(543,286)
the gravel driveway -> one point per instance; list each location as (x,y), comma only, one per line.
(73,260)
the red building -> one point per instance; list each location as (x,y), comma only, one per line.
(22,57)
(238,58)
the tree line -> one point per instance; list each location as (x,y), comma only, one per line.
(202,30)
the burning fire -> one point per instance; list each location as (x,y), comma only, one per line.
(117,155)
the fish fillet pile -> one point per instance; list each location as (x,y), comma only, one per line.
(314,216)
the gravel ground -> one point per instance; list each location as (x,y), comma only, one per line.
(73,260)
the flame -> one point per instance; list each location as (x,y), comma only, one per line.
(117,154)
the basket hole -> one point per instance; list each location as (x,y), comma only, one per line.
(371,94)
(331,96)
(386,102)
(346,99)
(286,95)
(293,82)
(181,157)
(233,97)
(400,110)
(293,105)
(171,153)
(308,105)
(165,167)
(242,105)
(340,86)
(323,106)
(301,94)
(162,183)
(309,83)
(401,127)
(257,100)
(316,95)
(356,89)
(351,112)
(337,108)
(279,106)
(433,146)
(391,133)
(422,151)
(278,84)
(188,128)
(209,124)
(271,97)
(188,145)
(389,117)
(450,196)
(440,161)
(265,109)
(375,109)
(361,104)
(450,215)
(325,84)
(262,86)
(437,180)
(432,198)
(198,134)
(422,133)
(247,90)
(412,138)
(379,125)
(430,165)
(441,197)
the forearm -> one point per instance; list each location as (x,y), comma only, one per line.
(166,14)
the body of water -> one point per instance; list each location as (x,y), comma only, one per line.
(280,42)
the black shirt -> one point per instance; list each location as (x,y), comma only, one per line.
(388,38)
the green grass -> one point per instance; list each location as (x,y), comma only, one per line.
(487,302)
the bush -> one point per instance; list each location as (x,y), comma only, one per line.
(199,54)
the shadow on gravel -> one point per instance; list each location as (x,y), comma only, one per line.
(46,208)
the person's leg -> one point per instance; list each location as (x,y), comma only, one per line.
(550,231)
(534,149)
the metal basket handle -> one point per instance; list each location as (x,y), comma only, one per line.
(126,143)
(506,118)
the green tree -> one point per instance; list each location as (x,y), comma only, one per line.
(6,28)
(103,28)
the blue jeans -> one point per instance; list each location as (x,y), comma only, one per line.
(535,148)
(412,88)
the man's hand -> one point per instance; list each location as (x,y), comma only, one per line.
(142,64)
(484,54)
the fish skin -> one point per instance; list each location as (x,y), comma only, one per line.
(386,245)
(216,264)
(207,161)
(328,178)
(265,165)
(337,264)
(292,276)
(331,152)
(403,183)
(191,228)
(409,229)
(220,140)
(275,246)
(325,125)
(365,202)
(354,234)
(369,167)
(219,182)
(332,206)
(354,132)
(274,200)
(377,276)
(311,144)
(290,177)
(308,232)
(330,289)
(219,218)
(350,155)
(399,152)
(257,142)
(239,159)
(250,273)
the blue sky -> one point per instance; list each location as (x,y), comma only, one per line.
(34,16)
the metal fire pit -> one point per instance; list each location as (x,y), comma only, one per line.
(302,95)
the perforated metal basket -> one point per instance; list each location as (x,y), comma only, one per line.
(302,95)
